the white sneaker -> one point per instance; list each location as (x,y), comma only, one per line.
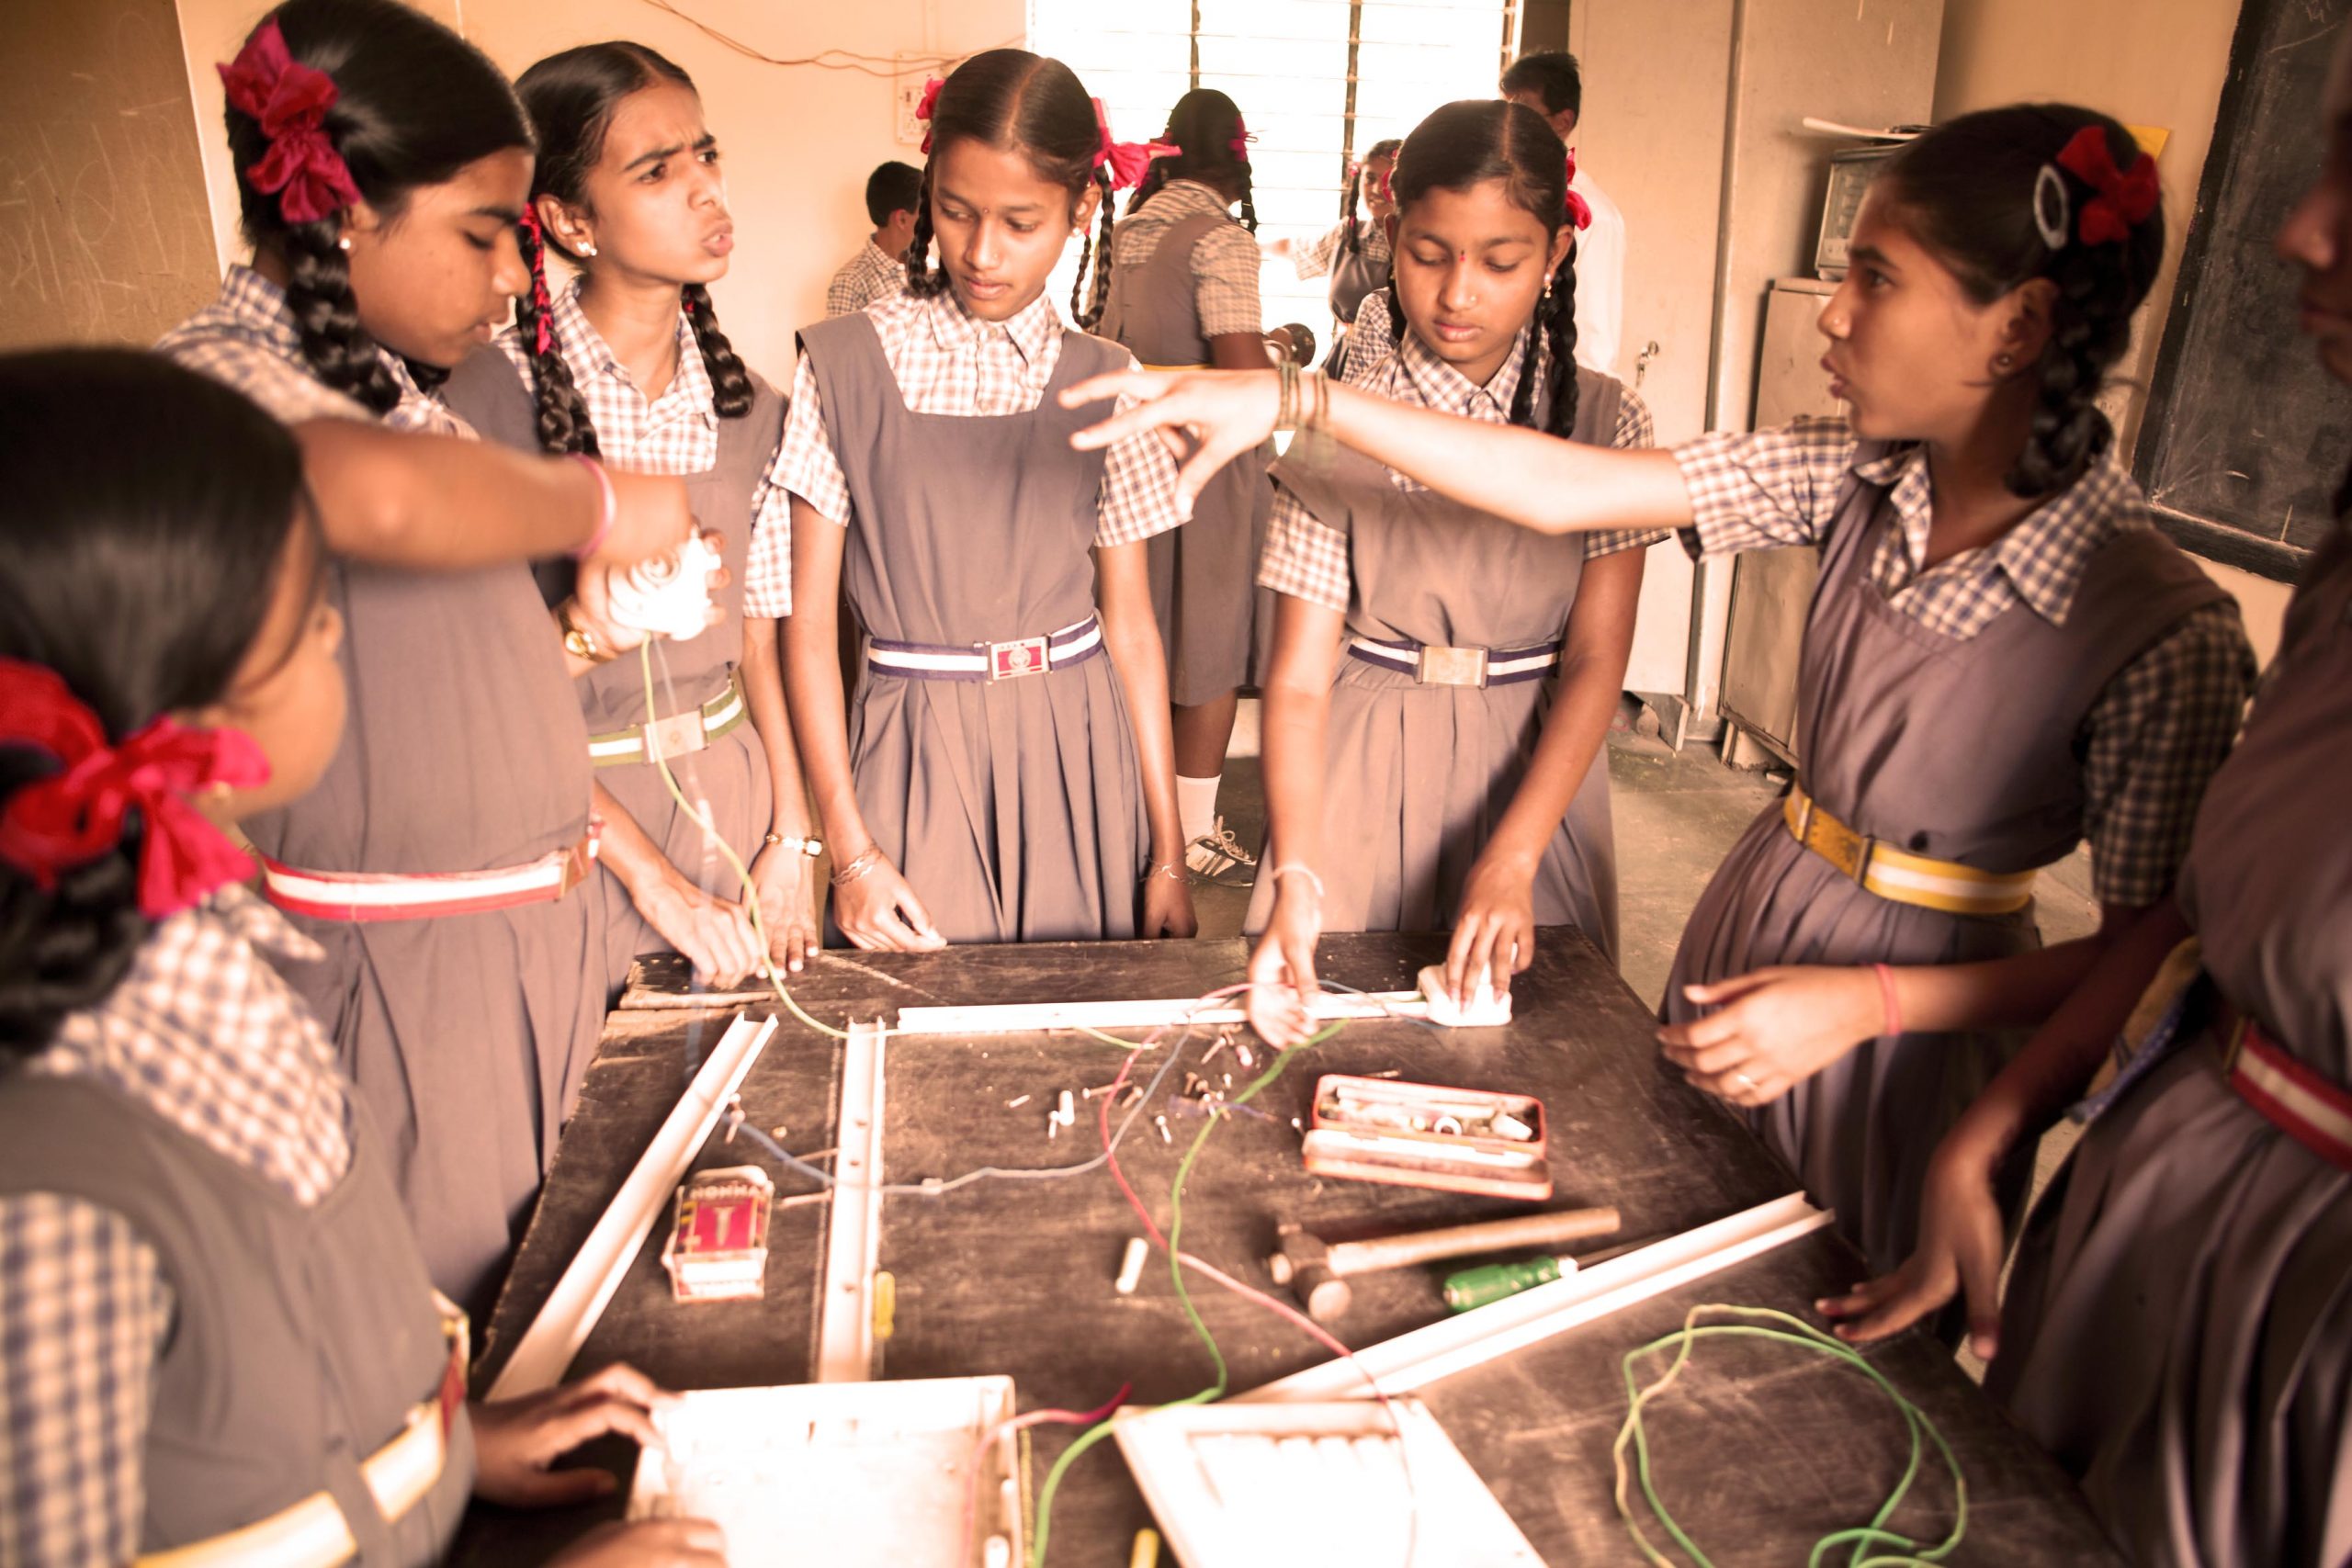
(1219,859)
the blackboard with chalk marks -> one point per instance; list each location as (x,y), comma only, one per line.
(2245,436)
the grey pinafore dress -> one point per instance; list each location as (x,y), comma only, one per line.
(300,1339)
(1355,274)
(1416,777)
(2178,1330)
(1014,808)
(1962,750)
(1215,623)
(465,1034)
(730,775)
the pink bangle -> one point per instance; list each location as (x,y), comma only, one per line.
(1894,1002)
(611,512)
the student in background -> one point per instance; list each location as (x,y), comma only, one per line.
(2179,1320)
(628,363)
(879,270)
(216,1313)
(1443,682)
(1183,291)
(382,220)
(999,778)
(1354,253)
(1552,85)
(2005,657)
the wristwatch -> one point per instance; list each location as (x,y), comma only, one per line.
(812,848)
(580,641)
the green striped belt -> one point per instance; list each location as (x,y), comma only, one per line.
(677,736)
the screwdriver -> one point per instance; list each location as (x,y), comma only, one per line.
(1468,1289)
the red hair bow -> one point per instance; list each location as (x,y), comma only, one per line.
(1579,209)
(2125,196)
(289,101)
(929,102)
(1128,159)
(76,814)
(1241,140)
(541,301)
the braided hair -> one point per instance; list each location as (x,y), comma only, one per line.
(572,98)
(1206,127)
(414,104)
(142,585)
(1016,101)
(1970,191)
(1383,149)
(1465,144)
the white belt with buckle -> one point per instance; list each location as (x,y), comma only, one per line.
(1434,665)
(988,660)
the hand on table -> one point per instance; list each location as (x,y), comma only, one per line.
(1283,987)
(786,880)
(1962,1245)
(517,1440)
(1494,936)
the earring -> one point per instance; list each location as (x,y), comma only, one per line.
(2005,362)
(588,247)
(343,243)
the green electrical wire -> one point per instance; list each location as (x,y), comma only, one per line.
(1906,1552)
(1216,1390)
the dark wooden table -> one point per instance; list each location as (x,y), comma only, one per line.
(1760,1451)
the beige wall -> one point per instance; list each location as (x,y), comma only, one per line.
(2154,63)
(799,140)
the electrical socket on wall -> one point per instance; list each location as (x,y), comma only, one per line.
(911,74)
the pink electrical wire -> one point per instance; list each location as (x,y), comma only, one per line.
(1005,1429)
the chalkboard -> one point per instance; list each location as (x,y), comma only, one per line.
(2246,436)
(104,232)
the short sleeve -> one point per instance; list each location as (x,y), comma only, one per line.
(1315,258)
(805,464)
(1225,282)
(84,1310)
(1304,558)
(1137,498)
(1370,340)
(2155,735)
(1634,429)
(767,572)
(1766,488)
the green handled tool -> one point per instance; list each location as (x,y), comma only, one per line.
(1468,1289)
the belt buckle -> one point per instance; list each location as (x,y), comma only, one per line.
(579,865)
(1450,666)
(676,736)
(1022,655)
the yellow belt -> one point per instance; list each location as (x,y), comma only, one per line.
(313,1533)
(1905,878)
(677,736)
(1178,369)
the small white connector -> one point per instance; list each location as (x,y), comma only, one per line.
(1485,1010)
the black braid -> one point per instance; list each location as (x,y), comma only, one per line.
(924,280)
(1348,201)
(1556,318)
(338,349)
(1154,177)
(560,412)
(1093,316)
(730,381)
(2091,325)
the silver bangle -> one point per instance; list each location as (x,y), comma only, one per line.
(863,861)
(1307,871)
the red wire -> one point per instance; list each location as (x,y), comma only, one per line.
(1014,1424)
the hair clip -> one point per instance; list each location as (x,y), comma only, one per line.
(289,101)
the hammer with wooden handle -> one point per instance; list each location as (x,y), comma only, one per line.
(1318,1271)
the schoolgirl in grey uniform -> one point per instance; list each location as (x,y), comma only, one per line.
(2004,656)
(1443,682)
(1355,253)
(1000,779)
(1183,291)
(220,1335)
(629,363)
(444,863)
(2179,1327)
